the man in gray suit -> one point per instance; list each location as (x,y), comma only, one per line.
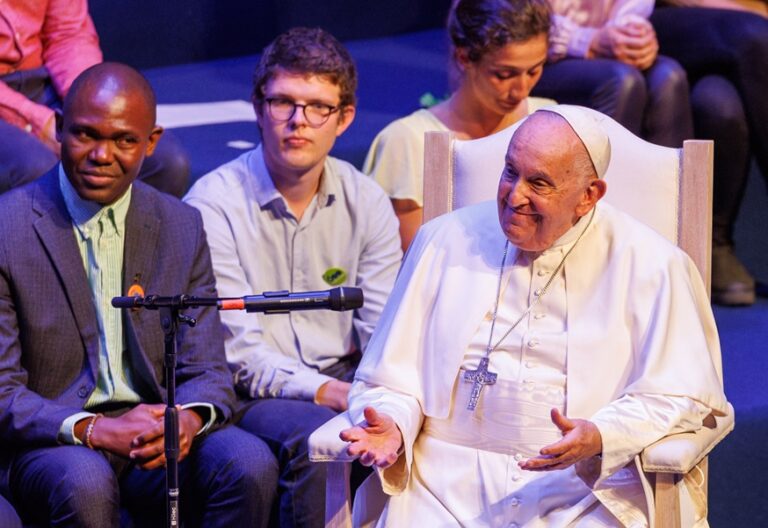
(82,384)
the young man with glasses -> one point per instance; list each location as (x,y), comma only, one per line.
(286,216)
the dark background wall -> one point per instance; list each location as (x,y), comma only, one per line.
(150,33)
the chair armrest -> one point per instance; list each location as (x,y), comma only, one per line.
(325,444)
(679,453)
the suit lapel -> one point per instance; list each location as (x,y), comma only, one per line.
(54,227)
(142,232)
(142,229)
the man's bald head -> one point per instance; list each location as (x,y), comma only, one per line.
(588,126)
(548,183)
(545,124)
(106,130)
(116,79)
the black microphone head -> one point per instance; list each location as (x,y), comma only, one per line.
(345,298)
(127,302)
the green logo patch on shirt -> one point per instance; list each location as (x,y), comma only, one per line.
(335,276)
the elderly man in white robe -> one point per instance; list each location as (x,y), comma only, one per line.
(532,348)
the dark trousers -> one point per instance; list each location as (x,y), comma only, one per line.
(725,54)
(228,479)
(653,104)
(285,425)
(23,157)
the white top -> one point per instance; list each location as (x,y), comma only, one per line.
(396,156)
(632,325)
(348,236)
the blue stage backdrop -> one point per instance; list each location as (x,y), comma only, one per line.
(148,33)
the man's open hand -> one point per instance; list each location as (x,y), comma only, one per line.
(581,440)
(377,440)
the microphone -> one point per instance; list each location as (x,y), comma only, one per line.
(338,299)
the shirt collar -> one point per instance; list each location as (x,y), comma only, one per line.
(561,244)
(573,233)
(329,186)
(265,189)
(85,214)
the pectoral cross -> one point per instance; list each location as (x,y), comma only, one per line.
(480,377)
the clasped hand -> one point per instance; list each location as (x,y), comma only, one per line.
(377,439)
(139,434)
(581,440)
(633,43)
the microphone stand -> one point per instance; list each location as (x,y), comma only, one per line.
(170,318)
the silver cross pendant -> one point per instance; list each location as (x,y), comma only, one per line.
(480,378)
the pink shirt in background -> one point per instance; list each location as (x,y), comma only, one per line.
(577,21)
(57,34)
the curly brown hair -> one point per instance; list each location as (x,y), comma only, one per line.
(310,51)
(480,26)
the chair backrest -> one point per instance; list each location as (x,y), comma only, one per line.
(668,189)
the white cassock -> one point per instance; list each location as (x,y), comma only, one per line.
(623,337)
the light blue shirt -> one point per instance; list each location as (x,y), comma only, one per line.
(347,236)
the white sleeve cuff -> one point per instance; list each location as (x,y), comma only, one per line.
(303,385)
(67,430)
(212,416)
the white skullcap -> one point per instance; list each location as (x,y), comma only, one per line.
(586,123)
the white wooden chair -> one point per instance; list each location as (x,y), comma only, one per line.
(668,189)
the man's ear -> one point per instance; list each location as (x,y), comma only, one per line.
(346,116)
(258,109)
(257,106)
(592,194)
(154,137)
(59,122)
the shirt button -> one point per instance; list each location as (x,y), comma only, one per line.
(514,502)
(516,477)
(82,391)
(539,316)
(518,457)
(533,342)
(537,293)
(530,364)
(513,525)
(541,272)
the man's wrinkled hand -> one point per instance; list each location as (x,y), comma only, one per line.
(377,440)
(581,440)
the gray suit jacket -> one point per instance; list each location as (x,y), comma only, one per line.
(49,336)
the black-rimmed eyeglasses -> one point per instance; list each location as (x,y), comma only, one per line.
(316,114)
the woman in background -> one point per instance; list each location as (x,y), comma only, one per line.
(499,48)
